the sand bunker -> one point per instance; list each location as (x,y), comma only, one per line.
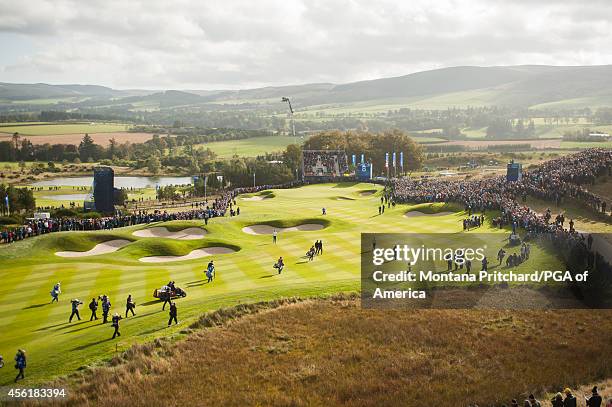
(101,248)
(415,214)
(255,198)
(194,254)
(268,230)
(185,234)
(344,198)
(367,193)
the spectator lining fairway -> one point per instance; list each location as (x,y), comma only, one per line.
(30,268)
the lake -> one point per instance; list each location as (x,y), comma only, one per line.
(120,182)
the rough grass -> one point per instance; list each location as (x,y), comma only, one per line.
(331,352)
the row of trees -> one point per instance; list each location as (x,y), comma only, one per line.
(165,147)
(510,129)
(373,145)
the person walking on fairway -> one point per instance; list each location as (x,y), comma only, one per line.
(106,306)
(274,236)
(173,314)
(75,309)
(115,324)
(166,297)
(279,264)
(55,292)
(93,306)
(210,271)
(20,364)
(129,306)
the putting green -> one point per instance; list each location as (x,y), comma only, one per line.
(28,270)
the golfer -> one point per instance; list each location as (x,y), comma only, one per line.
(173,314)
(20,364)
(115,324)
(274,235)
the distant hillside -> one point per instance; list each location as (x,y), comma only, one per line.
(521,86)
(17,91)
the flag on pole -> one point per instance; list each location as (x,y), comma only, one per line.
(363,158)
(386,160)
(354,160)
(394,159)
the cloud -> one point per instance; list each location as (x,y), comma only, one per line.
(242,43)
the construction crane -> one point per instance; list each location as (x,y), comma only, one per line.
(286,99)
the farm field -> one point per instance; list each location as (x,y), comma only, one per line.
(98,138)
(47,129)
(251,147)
(30,268)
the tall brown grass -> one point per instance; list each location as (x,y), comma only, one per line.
(331,352)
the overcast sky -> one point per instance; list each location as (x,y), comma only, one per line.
(209,44)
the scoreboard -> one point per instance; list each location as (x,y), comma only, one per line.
(363,171)
(514,172)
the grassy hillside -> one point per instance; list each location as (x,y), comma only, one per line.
(522,86)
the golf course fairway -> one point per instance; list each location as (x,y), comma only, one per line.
(30,268)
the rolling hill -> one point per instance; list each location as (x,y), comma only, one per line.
(517,86)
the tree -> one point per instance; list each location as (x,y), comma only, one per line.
(292,157)
(154,164)
(16,139)
(87,149)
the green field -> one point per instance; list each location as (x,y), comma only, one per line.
(45,129)
(251,147)
(30,268)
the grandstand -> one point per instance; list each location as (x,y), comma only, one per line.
(324,164)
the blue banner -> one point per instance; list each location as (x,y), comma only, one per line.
(362,158)
(6,200)
(394,159)
(386,160)
(354,160)
(402,159)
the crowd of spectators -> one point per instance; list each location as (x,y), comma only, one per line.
(220,206)
(325,163)
(558,179)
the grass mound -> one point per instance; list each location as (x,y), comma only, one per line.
(75,241)
(176,225)
(292,222)
(167,247)
(435,208)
